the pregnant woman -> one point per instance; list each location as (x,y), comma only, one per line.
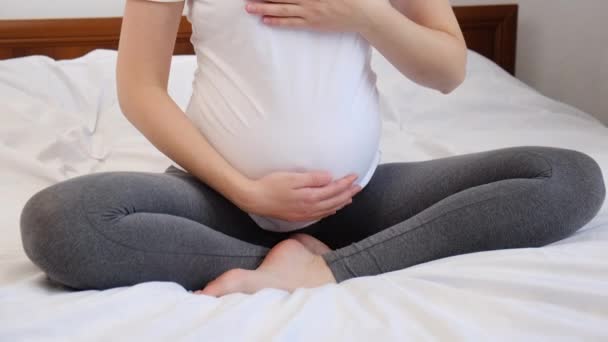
(277,180)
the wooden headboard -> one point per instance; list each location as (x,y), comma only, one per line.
(489,30)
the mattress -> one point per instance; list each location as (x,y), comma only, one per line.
(61,119)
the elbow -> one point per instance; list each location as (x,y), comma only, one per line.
(456,74)
(137,94)
(137,101)
(126,105)
(456,77)
(130,98)
(131,105)
(453,82)
(130,91)
(122,103)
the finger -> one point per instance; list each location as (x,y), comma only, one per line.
(332,211)
(327,214)
(311,179)
(335,203)
(285,22)
(335,188)
(320,215)
(275,10)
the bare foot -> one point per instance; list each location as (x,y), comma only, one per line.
(288,265)
(313,244)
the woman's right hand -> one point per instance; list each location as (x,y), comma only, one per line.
(299,196)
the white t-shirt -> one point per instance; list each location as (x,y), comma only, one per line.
(279,99)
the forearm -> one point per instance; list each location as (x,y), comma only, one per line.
(429,57)
(165,125)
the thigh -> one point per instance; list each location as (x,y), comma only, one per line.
(400,190)
(198,201)
(121,228)
(510,198)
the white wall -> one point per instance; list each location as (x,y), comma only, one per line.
(562,50)
(562,44)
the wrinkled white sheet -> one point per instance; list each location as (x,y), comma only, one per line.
(61,119)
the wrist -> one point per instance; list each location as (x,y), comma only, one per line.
(241,191)
(373,14)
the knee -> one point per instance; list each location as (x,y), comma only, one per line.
(585,176)
(578,179)
(41,222)
(49,224)
(594,182)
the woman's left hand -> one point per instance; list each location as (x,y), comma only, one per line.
(323,15)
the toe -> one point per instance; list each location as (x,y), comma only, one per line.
(229,282)
(213,288)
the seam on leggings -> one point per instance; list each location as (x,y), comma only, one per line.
(373,257)
(95,229)
(348,268)
(427,222)
(549,165)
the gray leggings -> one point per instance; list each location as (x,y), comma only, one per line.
(111,229)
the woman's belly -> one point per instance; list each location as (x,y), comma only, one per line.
(338,142)
(270,99)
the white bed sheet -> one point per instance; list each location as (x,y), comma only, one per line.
(61,119)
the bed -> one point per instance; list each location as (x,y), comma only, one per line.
(60,119)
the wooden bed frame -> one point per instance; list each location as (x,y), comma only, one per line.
(489,30)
